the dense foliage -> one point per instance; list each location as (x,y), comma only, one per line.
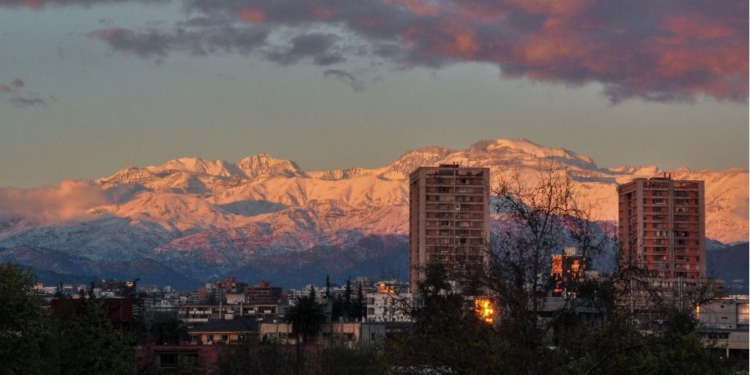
(305,316)
(78,339)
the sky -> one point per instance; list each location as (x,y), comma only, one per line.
(89,87)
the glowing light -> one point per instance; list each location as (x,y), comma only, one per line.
(386,288)
(484,309)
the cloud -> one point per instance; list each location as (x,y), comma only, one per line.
(39,4)
(346,78)
(321,48)
(671,50)
(69,200)
(145,45)
(21,98)
(21,102)
(13,86)
(158,43)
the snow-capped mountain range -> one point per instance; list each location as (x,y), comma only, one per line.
(205,219)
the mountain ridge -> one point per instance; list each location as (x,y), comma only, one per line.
(204,218)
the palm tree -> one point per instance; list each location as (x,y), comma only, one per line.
(305,316)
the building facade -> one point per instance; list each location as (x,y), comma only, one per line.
(449,219)
(567,270)
(724,323)
(662,227)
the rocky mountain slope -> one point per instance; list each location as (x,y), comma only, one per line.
(204,219)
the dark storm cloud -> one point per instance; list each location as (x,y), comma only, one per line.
(669,50)
(345,77)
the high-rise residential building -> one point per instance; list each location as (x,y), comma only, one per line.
(662,227)
(449,219)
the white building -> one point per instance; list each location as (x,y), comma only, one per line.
(389,307)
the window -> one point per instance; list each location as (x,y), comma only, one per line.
(210,338)
(168,360)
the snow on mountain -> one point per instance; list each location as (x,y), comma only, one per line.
(197,165)
(205,217)
(264,165)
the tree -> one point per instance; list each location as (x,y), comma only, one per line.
(92,345)
(250,358)
(328,288)
(527,336)
(538,221)
(339,358)
(170,330)
(446,338)
(305,316)
(359,306)
(26,338)
(346,305)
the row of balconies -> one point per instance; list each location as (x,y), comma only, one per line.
(664,201)
(456,215)
(462,241)
(477,224)
(454,181)
(665,258)
(454,198)
(651,234)
(678,266)
(454,190)
(663,231)
(654,246)
(460,231)
(682,218)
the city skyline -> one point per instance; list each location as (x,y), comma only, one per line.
(90,87)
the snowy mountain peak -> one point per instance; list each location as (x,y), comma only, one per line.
(524,146)
(410,160)
(341,174)
(197,165)
(263,164)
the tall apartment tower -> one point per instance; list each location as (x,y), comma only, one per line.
(449,219)
(662,227)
